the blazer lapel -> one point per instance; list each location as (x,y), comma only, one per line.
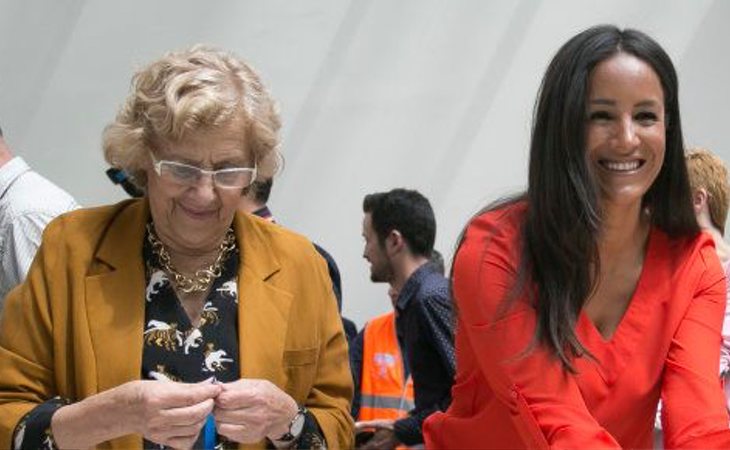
(263,313)
(115,299)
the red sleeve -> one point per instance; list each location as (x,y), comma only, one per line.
(694,414)
(544,401)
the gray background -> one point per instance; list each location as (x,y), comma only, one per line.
(428,94)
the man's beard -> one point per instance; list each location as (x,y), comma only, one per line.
(382,274)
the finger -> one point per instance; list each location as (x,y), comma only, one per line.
(233,415)
(240,433)
(375,423)
(187,415)
(191,431)
(237,399)
(183,394)
(162,431)
(363,424)
(232,432)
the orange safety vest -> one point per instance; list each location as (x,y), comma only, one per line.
(385,393)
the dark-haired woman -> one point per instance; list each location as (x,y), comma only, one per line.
(592,295)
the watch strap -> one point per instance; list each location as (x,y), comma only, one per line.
(291,435)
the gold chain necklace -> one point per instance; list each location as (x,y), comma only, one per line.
(201,280)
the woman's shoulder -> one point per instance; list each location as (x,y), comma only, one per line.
(692,256)
(287,244)
(492,237)
(91,223)
(684,248)
(500,224)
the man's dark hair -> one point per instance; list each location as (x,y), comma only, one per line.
(1,132)
(406,211)
(261,190)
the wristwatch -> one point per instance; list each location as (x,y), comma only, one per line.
(295,427)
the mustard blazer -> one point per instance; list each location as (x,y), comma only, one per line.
(74,328)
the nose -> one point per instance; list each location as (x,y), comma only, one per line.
(626,135)
(205,188)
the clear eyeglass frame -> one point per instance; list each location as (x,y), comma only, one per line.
(187,175)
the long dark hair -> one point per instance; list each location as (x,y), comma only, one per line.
(560,232)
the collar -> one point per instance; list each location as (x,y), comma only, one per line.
(411,286)
(129,226)
(10,172)
(265,213)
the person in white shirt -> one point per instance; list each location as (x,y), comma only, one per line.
(27,203)
(708,180)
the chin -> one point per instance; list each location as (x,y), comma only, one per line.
(624,199)
(377,278)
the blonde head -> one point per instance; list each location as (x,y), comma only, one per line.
(708,172)
(198,90)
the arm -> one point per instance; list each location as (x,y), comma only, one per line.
(30,374)
(166,413)
(26,349)
(435,319)
(544,402)
(695,414)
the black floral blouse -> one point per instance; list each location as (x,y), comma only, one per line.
(175,350)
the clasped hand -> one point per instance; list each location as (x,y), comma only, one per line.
(245,411)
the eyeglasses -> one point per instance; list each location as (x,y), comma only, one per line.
(185,174)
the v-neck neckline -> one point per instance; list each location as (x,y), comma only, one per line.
(612,353)
(637,294)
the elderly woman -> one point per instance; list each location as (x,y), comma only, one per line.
(172,320)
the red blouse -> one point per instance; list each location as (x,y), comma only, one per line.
(668,343)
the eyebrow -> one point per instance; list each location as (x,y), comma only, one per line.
(607,102)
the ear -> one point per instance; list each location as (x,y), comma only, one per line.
(699,199)
(394,242)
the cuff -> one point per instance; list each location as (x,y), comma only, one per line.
(408,430)
(311,437)
(34,429)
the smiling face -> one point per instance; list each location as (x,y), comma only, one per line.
(194,219)
(625,128)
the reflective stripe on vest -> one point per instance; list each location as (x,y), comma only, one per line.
(384,391)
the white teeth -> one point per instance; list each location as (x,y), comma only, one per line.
(621,166)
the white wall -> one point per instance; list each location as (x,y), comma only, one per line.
(429,94)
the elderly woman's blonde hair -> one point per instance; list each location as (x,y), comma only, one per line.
(196,90)
(707,171)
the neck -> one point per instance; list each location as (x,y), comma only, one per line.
(5,154)
(403,271)
(189,260)
(623,234)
